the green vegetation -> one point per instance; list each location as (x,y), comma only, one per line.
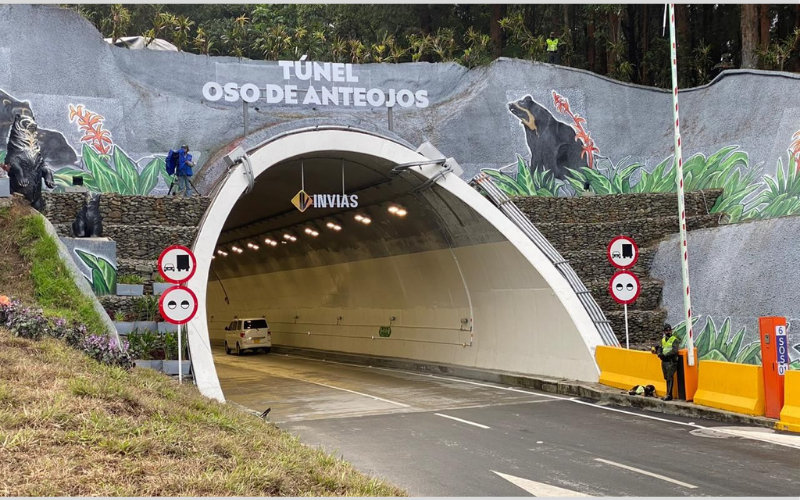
(53,287)
(124,177)
(90,429)
(540,183)
(624,42)
(745,196)
(130,279)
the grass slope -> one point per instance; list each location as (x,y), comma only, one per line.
(35,274)
(70,426)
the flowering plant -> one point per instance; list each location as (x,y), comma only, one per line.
(31,323)
(106,350)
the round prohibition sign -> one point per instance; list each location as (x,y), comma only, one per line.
(622,252)
(177,264)
(178,305)
(624,287)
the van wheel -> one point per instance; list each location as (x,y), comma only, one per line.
(227,349)
(238,350)
(266,350)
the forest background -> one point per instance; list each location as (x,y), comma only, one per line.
(624,42)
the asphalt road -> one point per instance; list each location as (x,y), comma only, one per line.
(441,436)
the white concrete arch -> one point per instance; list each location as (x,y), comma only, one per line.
(540,328)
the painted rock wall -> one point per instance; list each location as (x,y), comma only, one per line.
(737,273)
(116,112)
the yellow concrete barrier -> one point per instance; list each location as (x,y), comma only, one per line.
(730,386)
(790,415)
(624,368)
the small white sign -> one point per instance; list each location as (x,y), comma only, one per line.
(178,305)
(622,252)
(624,287)
(177,264)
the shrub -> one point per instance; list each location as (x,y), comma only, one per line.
(32,323)
(106,350)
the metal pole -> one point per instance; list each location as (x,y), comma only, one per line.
(627,344)
(687,302)
(180,365)
(245,116)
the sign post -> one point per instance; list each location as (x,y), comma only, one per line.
(177,304)
(624,286)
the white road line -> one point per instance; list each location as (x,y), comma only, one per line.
(646,473)
(463,421)
(355,392)
(565,398)
(539,489)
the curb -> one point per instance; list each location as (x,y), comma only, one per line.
(585,390)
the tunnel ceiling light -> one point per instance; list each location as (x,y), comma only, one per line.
(362,219)
(252,245)
(289,237)
(271,242)
(334,226)
(397,210)
(311,232)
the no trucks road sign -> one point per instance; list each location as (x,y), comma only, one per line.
(177,264)
(623,252)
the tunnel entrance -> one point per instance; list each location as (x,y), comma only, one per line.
(354,243)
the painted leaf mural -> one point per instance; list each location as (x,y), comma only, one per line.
(104,275)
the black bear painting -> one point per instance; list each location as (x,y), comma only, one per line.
(26,168)
(54,147)
(553,144)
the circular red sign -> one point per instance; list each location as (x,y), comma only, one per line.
(177,305)
(622,252)
(624,287)
(172,268)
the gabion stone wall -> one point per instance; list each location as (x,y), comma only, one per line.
(115,208)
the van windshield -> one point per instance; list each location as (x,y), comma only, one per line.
(250,324)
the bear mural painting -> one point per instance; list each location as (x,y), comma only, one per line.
(25,161)
(555,146)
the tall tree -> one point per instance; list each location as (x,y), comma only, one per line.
(749,31)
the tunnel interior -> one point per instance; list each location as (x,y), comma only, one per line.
(423,268)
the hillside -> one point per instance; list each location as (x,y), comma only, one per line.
(72,426)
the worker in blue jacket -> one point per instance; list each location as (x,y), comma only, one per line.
(184,170)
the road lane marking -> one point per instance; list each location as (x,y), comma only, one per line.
(463,421)
(539,489)
(355,392)
(753,437)
(646,473)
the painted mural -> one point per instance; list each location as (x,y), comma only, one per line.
(103,165)
(572,165)
(719,343)
(748,193)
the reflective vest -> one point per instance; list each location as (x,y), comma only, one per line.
(552,44)
(666,344)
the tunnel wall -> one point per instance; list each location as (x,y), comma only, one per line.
(565,311)
(519,324)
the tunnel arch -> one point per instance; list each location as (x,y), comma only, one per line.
(558,341)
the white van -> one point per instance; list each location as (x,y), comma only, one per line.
(247,334)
